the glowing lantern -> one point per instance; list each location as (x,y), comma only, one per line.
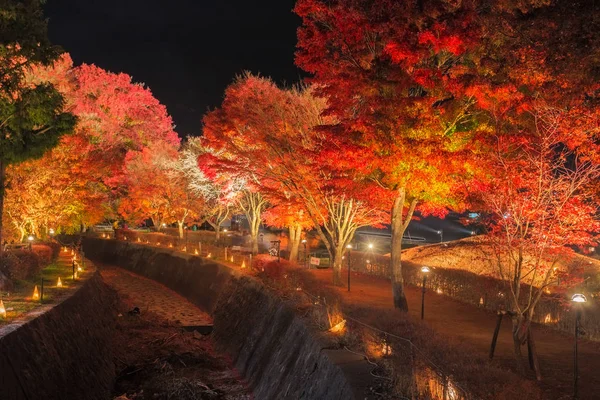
(439,291)
(170,245)
(139,240)
(158,243)
(59,282)
(209,255)
(79,268)
(2,309)
(231,258)
(72,252)
(184,249)
(339,327)
(75,275)
(65,249)
(481,301)
(36,293)
(196,252)
(243,264)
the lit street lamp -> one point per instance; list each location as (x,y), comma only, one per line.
(349,247)
(441,233)
(424,270)
(370,246)
(579,299)
(31,239)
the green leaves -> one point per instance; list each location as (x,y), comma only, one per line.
(32,123)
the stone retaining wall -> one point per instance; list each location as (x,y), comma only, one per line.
(63,353)
(269,345)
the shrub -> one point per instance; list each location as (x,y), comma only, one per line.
(20,264)
(44,253)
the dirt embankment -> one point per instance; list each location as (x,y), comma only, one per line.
(269,345)
(63,353)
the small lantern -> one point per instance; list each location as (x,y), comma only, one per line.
(231,258)
(170,245)
(79,268)
(339,327)
(36,293)
(72,252)
(59,282)
(158,243)
(196,252)
(65,249)
(209,255)
(2,309)
(243,264)
(184,249)
(139,240)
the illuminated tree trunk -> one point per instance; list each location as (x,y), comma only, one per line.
(294,244)
(218,218)
(253,205)
(337,228)
(2,192)
(180,228)
(399,225)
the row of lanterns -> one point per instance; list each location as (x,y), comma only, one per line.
(37,294)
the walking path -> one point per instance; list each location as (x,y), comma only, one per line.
(476,326)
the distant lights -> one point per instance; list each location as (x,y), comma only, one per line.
(425,269)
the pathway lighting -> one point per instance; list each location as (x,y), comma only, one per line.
(579,299)
(339,327)
(371,246)
(243,265)
(424,270)
(472,233)
(441,233)
(349,247)
(36,293)
(59,282)
(31,238)
(2,309)
(51,232)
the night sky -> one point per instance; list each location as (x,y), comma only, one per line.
(186,51)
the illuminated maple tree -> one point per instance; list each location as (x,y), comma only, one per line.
(268,136)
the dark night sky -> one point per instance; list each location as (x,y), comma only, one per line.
(186,51)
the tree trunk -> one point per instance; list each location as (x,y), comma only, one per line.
(254,227)
(399,225)
(295,237)
(2,187)
(337,262)
(518,339)
(180,227)
(533,355)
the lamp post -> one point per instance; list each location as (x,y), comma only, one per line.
(579,299)
(31,239)
(441,233)
(349,247)
(424,270)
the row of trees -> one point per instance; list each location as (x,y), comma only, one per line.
(412,106)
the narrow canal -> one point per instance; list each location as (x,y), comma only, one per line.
(162,345)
